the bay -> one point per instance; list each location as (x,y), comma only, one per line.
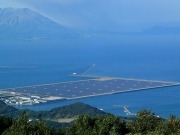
(27,62)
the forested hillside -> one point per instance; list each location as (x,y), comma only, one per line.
(145,123)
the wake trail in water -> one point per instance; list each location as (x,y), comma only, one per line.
(18,66)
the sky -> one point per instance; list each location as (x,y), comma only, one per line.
(105,15)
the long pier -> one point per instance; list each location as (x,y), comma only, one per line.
(127,111)
(85,72)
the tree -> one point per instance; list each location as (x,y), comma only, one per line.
(170,126)
(22,126)
(82,126)
(146,121)
(40,128)
(5,123)
(110,125)
(102,125)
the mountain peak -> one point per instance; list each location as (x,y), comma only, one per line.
(26,22)
(10,16)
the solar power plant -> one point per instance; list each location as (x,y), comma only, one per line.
(88,88)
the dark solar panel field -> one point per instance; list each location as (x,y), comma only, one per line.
(87,88)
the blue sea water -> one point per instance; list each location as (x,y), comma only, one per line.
(24,63)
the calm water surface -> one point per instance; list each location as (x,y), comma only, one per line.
(24,63)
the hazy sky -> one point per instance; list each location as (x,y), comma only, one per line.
(107,15)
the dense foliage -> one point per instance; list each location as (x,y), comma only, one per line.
(89,121)
(5,123)
(103,125)
(146,123)
(22,126)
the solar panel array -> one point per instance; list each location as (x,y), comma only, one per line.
(87,88)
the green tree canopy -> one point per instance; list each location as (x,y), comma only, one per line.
(102,125)
(22,126)
(5,123)
(146,121)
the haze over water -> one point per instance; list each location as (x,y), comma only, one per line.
(24,63)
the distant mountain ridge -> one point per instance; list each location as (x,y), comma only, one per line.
(51,117)
(163,30)
(25,23)
(71,110)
